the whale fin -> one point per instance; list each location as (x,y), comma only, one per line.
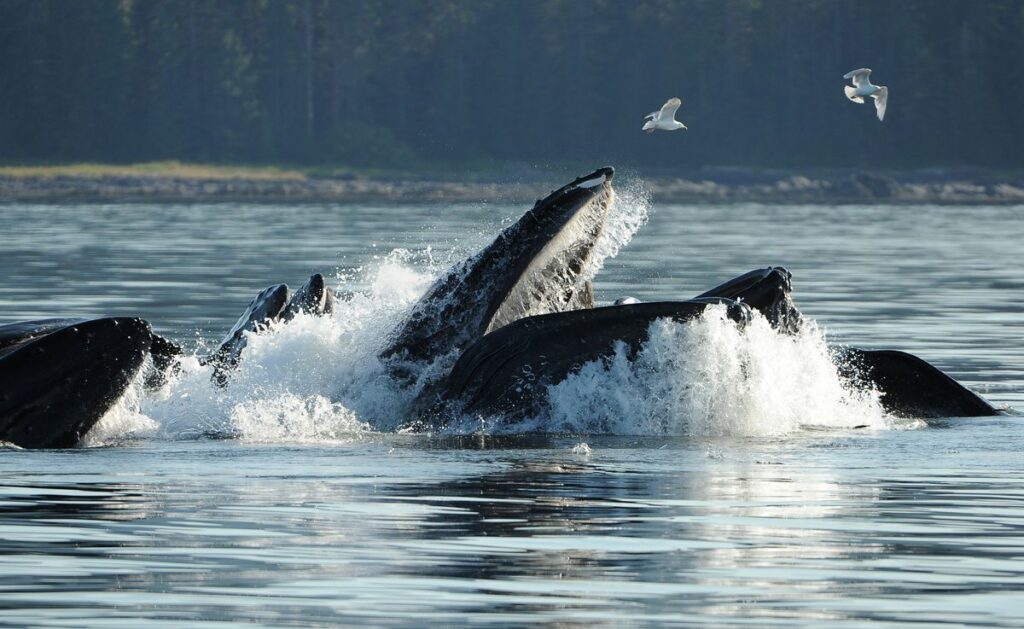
(911,386)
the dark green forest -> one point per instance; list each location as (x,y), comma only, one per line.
(407,83)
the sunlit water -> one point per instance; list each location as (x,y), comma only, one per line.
(767,509)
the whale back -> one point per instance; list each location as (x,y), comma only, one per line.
(58,377)
(910,386)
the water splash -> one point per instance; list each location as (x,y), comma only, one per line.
(125,419)
(320,378)
(627,214)
(709,377)
(313,378)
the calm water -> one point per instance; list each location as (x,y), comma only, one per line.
(815,527)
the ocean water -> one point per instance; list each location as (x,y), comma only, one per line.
(718,478)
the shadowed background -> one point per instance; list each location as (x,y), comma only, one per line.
(427,83)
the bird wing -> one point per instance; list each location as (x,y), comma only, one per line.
(653,115)
(881,100)
(859,76)
(668,110)
(851,93)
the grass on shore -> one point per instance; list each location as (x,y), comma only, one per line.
(486,171)
(154,169)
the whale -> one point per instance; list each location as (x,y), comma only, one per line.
(272,304)
(497,329)
(769,291)
(910,386)
(58,377)
(535,266)
(506,374)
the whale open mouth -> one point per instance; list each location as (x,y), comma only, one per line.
(536,266)
(552,272)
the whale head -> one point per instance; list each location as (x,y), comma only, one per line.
(538,265)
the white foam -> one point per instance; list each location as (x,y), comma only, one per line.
(319,378)
(312,379)
(709,377)
(628,213)
(582,449)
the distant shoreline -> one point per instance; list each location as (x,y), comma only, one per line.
(183,183)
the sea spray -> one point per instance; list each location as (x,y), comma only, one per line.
(320,378)
(125,419)
(710,377)
(291,418)
(627,214)
(312,378)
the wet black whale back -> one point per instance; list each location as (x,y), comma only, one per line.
(769,291)
(507,371)
(910,386)
(58,377)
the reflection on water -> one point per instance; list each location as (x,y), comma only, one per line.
(828,529)
(817,529)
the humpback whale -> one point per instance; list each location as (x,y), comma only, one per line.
(514,318)
(507,373)
(535,266)
(58,377)
(769,291)
(910,386)
(271,304)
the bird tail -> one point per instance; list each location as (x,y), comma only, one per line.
(649,126)
(851,93)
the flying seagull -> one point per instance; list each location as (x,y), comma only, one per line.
(862,87)
(664,118)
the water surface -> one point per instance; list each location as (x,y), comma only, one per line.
(817,527)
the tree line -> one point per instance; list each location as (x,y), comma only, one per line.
(429,83)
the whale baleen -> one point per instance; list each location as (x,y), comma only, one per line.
(535,266)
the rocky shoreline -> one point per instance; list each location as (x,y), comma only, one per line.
(726,186)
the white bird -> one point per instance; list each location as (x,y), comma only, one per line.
(862,87)
(664,118)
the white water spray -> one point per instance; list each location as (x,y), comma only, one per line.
(320,379)
(710,377)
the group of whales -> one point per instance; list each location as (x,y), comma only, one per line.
(519,315)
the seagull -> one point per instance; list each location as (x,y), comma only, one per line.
(862,87)
(664,118)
